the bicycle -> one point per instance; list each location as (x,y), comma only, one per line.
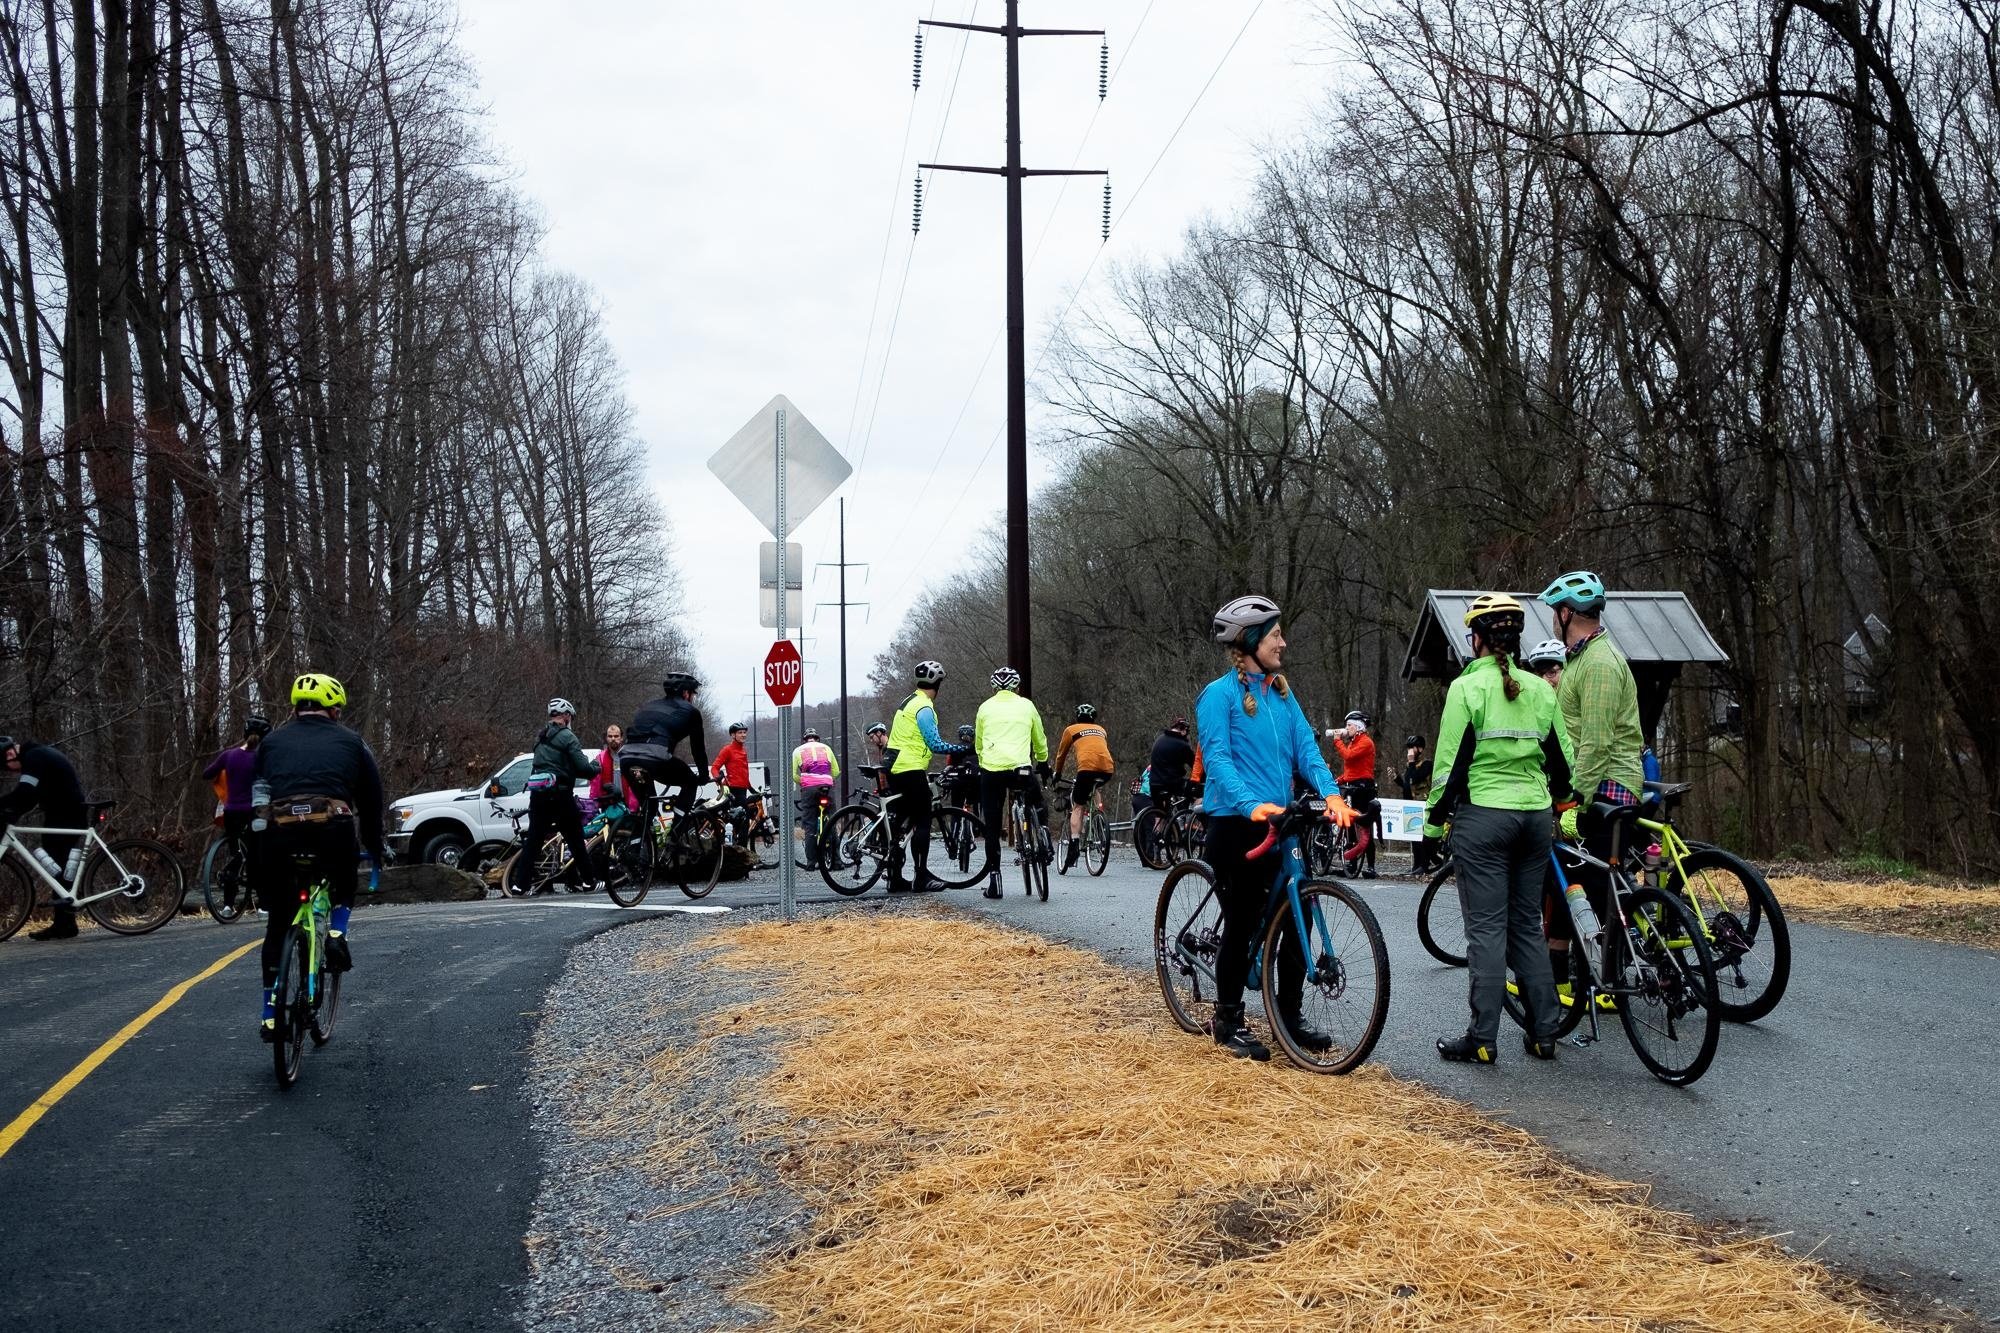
(1168,832)
(1441,917)
(224,869)
(1033,851)
(1734,903)
(666,841)
(1337,940)
(129,887)
(1096,851)
(306,996)
(860,836)
(813,821)
(1650,964)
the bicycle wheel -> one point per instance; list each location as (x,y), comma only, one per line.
(530,873)
(631,877)
(1745,927)
(17,898)
(1344,997)
(327,1010)
(1096,842)
(1149,833)
(290,1003)
(855,850)
(222,879)
(1666,991)
(958,848)
(1190,834)
(1441,918)
(697,853)
(144,895)
(483,858)
(1187,941)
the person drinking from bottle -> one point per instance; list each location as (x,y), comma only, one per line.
(1254,740)
(1501,750)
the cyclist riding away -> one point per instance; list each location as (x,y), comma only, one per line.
(1546,660)
(1500,753)
(1254,739)
(813,770)
(1599,700)
(913,739)
(1357,784)
(46,778)
(656,732)
(234,771)
(1008,735)
(1093,770)
(1171,759)
(558,764)
(325,796)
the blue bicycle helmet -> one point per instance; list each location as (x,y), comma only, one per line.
(1579,590)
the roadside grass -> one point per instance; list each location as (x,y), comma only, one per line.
(1927,908)
(993,1131)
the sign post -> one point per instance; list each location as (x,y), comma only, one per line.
(782,469)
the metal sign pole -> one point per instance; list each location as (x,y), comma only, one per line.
(788,892)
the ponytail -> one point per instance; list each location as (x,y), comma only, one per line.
(1241,660)
(1506,645)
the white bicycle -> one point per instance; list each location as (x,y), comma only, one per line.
(130,886)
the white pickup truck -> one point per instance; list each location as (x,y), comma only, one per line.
(438,825)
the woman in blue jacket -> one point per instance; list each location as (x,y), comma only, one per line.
(1254,738)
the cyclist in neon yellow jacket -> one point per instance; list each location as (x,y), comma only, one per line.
(913,738)
(1007,735)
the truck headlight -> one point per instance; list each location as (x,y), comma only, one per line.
(402,813)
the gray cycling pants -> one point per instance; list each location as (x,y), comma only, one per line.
(1503,858)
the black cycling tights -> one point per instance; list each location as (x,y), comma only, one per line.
(289,860)
(1242,889)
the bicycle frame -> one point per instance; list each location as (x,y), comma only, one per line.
(1291,873)
(315,910)
(57,889)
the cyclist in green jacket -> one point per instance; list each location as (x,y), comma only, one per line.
(1007,736)
(1500,751)
(913,739)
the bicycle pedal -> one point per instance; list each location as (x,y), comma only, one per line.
(1583,1042)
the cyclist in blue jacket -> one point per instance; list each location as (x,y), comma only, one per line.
(1254,738)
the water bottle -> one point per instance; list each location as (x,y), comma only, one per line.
(1581,912)
(374,872)
(260,801)
(1653,874)
(75,864)
(48,863)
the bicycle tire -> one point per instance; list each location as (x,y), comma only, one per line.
(288,1001)
(1442,928)
(17,898)
(962,839)
(698,847)
(1187,940)
(1045,855)
(215,862)
(1668,937)
(1096,843)
(327,1011)
(855,851)
(484,857)
(1751,942)
(163,884)
(631,877)
(1190,834)
(1332,979)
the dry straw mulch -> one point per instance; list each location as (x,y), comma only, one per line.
(1000,1133)
(1955,913)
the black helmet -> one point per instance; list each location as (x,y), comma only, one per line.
(1413,742)
(1179,726)
(877,729)
(679,682)
(735,727)
(812,734)
(256,725)
(965,731)
(1086,712)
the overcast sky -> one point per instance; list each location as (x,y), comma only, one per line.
(727,176)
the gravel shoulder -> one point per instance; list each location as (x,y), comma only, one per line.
(655,1201)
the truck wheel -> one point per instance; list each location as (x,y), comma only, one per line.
(444,847)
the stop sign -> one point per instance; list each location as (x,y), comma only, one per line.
(783,673)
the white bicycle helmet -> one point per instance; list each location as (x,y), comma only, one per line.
(1547,653)
(561,705)
(929,673)
(1006,678)
(1244,617)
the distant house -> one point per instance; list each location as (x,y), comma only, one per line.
(1861,668)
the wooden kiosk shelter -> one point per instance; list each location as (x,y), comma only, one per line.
(1659,633)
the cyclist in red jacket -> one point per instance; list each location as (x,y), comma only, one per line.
(732,766)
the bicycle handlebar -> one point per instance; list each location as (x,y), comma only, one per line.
(1284,825)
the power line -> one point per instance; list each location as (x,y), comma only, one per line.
(1077,290)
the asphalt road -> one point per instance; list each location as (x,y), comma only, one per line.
(176,1187)
(1858,1118)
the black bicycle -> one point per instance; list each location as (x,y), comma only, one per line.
(225,876)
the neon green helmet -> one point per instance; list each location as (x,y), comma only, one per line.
(313,688)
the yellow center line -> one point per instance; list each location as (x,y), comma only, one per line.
(41,1106)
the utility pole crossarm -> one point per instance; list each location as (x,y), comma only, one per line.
(962,27)
(1062,32)
(1060,171)
(947,166)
